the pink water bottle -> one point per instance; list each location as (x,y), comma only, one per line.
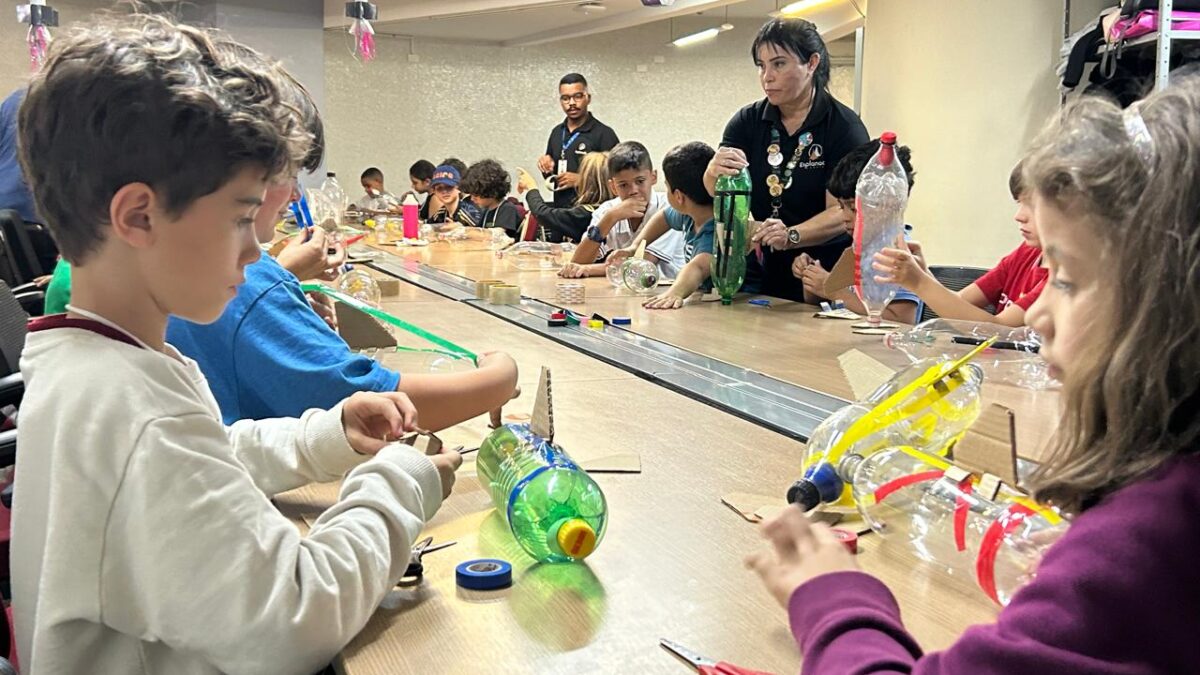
(412,229)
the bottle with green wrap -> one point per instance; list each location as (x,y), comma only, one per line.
(731,215)
(555,510)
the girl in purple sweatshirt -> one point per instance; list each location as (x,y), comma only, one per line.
(1117,199)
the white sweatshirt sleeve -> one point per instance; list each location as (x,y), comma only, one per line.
(283,454)
(196,557)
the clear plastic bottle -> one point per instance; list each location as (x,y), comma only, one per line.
(905,495)
(359,285)
(731,214)
(555,510)
(338,199)
(1013,359)
(931,418)
(640,276)
(881,197)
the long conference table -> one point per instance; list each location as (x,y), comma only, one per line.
(671,562)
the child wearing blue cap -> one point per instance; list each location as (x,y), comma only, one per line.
(445,203)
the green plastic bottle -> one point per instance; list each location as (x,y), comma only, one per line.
(731,213)
(555,510)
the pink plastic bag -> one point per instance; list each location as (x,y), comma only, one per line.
(1146,22)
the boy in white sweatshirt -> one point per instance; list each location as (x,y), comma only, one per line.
(144,540)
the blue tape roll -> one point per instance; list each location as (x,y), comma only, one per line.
(487,574)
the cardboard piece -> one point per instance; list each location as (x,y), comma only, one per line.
(640,253)
(989,486)
(990,445)
(748,505)
(427,442)
(871,331)
(278,246)
(542,422)
(389,287)
(360,330)
(842,274)
(842,314)
(864,373)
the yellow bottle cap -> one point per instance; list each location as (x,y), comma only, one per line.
(576,538)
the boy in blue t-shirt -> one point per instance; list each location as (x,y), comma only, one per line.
(906,306)
(271,355)
(690,212)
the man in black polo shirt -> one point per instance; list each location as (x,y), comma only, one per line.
(579,134)
(790,141)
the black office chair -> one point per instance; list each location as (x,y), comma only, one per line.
(952,277)
(22,257)
(13,328)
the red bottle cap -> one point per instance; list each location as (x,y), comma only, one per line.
(888,137)
(848,539)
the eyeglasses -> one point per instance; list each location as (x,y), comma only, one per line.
(577,97)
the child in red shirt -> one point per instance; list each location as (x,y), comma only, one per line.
(1010,287)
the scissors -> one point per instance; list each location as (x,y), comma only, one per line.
(416,570)
(705,665)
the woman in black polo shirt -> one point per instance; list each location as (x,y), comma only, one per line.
(790,141)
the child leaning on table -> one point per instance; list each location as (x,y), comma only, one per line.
(1116,196)
(271,355)
(144,539)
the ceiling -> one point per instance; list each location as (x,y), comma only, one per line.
(517,23)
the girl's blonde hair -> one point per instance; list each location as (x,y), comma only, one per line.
(1133,399)
(593,180)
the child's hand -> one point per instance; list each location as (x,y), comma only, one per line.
(372,420)
(634,207)
(311,259)
(572,271)
(914,247)
(667,300)
(323,305)
(898,266)
(800,550)
(447,462)
(617,256)
(525,182)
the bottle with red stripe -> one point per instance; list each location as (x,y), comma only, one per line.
(881,195)
(937,510)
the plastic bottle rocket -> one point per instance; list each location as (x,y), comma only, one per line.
(412,226)
(638,274)
(1013,359)
(731,215)
(941,513)
(554,509)
(930,405)
(881,196)
(359,285)
(338,199)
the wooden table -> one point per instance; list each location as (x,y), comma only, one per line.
(783,341)
(670,564)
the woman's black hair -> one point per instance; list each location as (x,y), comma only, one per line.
(798,37)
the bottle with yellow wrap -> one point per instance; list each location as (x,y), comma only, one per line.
(929,406)
(555,510)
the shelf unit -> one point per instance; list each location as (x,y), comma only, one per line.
(1162,39)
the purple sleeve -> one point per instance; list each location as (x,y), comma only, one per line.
(1116,595)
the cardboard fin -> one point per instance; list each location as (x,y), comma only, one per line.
(542,421)
(864,373)
(842,274)
(360,330)
(990,445)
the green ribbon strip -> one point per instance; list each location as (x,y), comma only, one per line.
(448,348)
